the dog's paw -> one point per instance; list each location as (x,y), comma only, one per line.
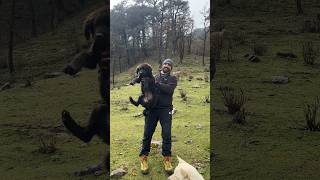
(133,101)
(69,70)
(65,116)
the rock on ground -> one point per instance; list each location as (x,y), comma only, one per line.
(286,55)
(118,172)
(280,79)
(53,75)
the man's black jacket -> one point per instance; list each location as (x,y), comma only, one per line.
(165,87)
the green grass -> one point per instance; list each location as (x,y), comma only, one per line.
(49,51)
(30,113)
(127,131)
(272,145)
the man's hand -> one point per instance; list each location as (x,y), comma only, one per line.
(167,88)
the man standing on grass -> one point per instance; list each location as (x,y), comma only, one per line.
(165,84)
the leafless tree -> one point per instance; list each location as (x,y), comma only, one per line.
(33,18)
(53,14)
(206,22)
(212,58)
(190,35)
(11,37)
(299,7)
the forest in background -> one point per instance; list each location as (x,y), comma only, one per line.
(155,29)
(24,22)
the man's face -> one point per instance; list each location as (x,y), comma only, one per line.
(166,67)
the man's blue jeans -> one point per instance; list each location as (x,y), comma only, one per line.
(151,119)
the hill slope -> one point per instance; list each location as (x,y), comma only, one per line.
(30,114)
(273,144)
(191,125)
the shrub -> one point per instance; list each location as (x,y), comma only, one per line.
(240,116)
(47,147)
(311,114)
(239,37)
(309,53)
(206,99)
(183,94)
(233,99)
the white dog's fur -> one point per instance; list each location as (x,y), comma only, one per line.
(185,171)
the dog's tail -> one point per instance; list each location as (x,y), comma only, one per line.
(180,160)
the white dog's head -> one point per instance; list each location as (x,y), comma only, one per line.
(185,171)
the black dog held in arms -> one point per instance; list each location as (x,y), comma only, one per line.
(148,96)
(97,27)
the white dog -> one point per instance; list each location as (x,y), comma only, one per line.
(185,171)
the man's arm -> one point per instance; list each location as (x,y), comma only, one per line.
(168,88)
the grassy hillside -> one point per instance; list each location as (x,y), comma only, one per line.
(274,143)
(33,113)
(50,51)
(30,113)
(191,126)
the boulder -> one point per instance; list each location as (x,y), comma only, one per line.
(286,55)
(118,172)
(280,79)
(53,75)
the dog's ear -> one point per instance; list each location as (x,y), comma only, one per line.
(138,69)
(149,68)
(88,29)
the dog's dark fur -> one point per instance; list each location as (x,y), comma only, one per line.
(97,28)
(148,97)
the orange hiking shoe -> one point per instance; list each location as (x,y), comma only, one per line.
(144,164)
(167,161)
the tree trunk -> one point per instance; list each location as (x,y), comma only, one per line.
(204,46)
(126,45)
(212,7)
(161,34)
(119,61)
(299,7)
(189,43)
(53,14)
(62,10)
(181,49)
(144,50)
(160,43)
(33,19)
(212,58)
(10,51)
(134,47)
(113,71)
